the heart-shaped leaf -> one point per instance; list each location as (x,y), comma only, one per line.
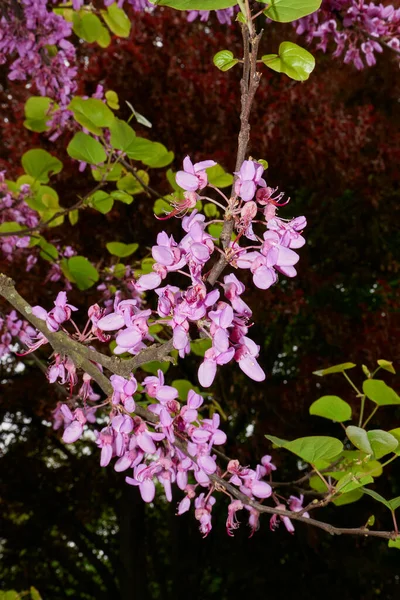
(331,407)
(293,60)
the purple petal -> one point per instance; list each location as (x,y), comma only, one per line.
(186,181)
(261,489)
(250,366)
(129,337)
(111,322)
(123,463)
(207,464)
(106,455)
(204,164)
(73,432)
(264,277)
(163,255)
(188,165)
(148,281)
(39,312)
(206,373)
(147,490)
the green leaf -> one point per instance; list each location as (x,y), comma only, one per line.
(10,227)
(92,114)
(152,154)
(122,197)
(111,172)
(161,207)
(131,185)
(382,442)
(10,595)
(224,60)
(153,366)
(35,594)
(120,249)
(279,442)
(336,369)
(377,497)
(218,177)
(331,407)
(348,497)
(39,164)
(84,148)
(199,347)
(37,113)
(285,11)
(83,272)
(49,251)
(87,26)
(296,62)
(215,230)
(380,393)
(396,433)
(359,438)
(104,40)
(394,543)
(117,20)
(196,4)
(314,448)
(112,99)
(394,503)
(101,201)
(139,118)
(183,386)
(353,481)
(387,365)
(210,210)
(375,442)
(73,217)
(122,136)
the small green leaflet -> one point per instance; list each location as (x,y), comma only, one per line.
(84,148)
(224,60)
(335,369)
(83,273)
(380,393)
(296,62)
(196,4)
(40,164)
(120,249)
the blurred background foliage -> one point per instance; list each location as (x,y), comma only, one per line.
(74,530)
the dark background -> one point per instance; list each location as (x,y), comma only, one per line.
(75,530)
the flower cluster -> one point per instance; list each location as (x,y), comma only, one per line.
(14,209)
(358,28)
(172,442)
(29,30)
(11,326)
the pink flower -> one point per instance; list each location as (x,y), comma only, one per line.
(194,176)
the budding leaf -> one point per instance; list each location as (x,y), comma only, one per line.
(40,164)
(387,365)
(296,62)
(86,149)
(112,99)
(224,60)
(331,407)
(380,393)
(377,497)
(335,369)
(120,249)
(285,11)
(10,227)
(84,274)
